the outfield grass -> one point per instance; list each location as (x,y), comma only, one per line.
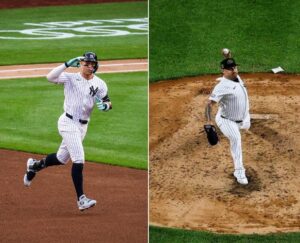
(58,50)
(31,107)
(186,37)
(164,235)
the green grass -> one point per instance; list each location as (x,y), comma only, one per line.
(188,40)
(31,107)
(59,50)
(165,235)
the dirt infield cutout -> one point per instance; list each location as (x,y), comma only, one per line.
(191,183)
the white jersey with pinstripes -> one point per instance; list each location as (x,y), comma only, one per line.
(233,108)
(80,97)
(232,98)
(80,94)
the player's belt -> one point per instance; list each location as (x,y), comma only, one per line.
(81,121)
(239,121)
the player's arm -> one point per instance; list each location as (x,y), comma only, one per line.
(208,110)
(217,94)
(104,104)
(209,128)
(54,75)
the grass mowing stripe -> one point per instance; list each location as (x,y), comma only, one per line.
(33,106)
(167,235)
(187,40)
(58,50)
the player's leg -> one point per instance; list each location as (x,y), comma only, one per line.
(231,130)
(34,166)
(75,149)
(59,158)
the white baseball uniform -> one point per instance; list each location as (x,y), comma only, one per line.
(80,97)
(233,114)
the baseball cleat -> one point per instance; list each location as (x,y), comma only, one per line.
(240,176)
(28,177)
(30,171)
(85,203)
(26,181)
(32,165)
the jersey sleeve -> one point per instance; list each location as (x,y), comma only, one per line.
(219,92)
(63,78)
(103,90)
(57,75)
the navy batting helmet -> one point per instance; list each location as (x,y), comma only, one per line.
(91,57)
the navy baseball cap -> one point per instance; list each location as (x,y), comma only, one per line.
(228,63)
(90,57)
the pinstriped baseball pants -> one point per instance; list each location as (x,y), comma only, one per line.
(71,146)
(231,130)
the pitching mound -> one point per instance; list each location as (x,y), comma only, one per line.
(47,210)
(191,183)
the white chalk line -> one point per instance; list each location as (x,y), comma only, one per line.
(50,68)
(36,76)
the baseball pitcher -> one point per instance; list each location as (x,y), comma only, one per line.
(83,91)
(233,113)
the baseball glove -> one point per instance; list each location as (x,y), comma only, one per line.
(211,133)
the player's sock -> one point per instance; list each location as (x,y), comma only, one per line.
(77,178)
(50,160)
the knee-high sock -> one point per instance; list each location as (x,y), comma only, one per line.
(77,178)
(51,159)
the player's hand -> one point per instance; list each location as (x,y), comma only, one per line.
(101,105)
(74,62)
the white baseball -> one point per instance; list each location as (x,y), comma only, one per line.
(225,51)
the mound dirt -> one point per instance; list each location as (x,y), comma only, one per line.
(47,210)
(191,182)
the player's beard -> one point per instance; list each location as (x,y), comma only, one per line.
(231,76)
(234,74)
(89,71)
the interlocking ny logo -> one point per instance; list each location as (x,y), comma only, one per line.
(93,91)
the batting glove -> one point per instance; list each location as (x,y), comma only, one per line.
(101,105)
(74,62)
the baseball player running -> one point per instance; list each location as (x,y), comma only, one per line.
(233,113)
(82,91)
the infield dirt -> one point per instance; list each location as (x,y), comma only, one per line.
(191,182)
(47,210)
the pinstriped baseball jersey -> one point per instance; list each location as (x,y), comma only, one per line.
(233,115)
(80,94)
(232,97)
(80,97)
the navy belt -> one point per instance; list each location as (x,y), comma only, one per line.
(239,121)
(81,121)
